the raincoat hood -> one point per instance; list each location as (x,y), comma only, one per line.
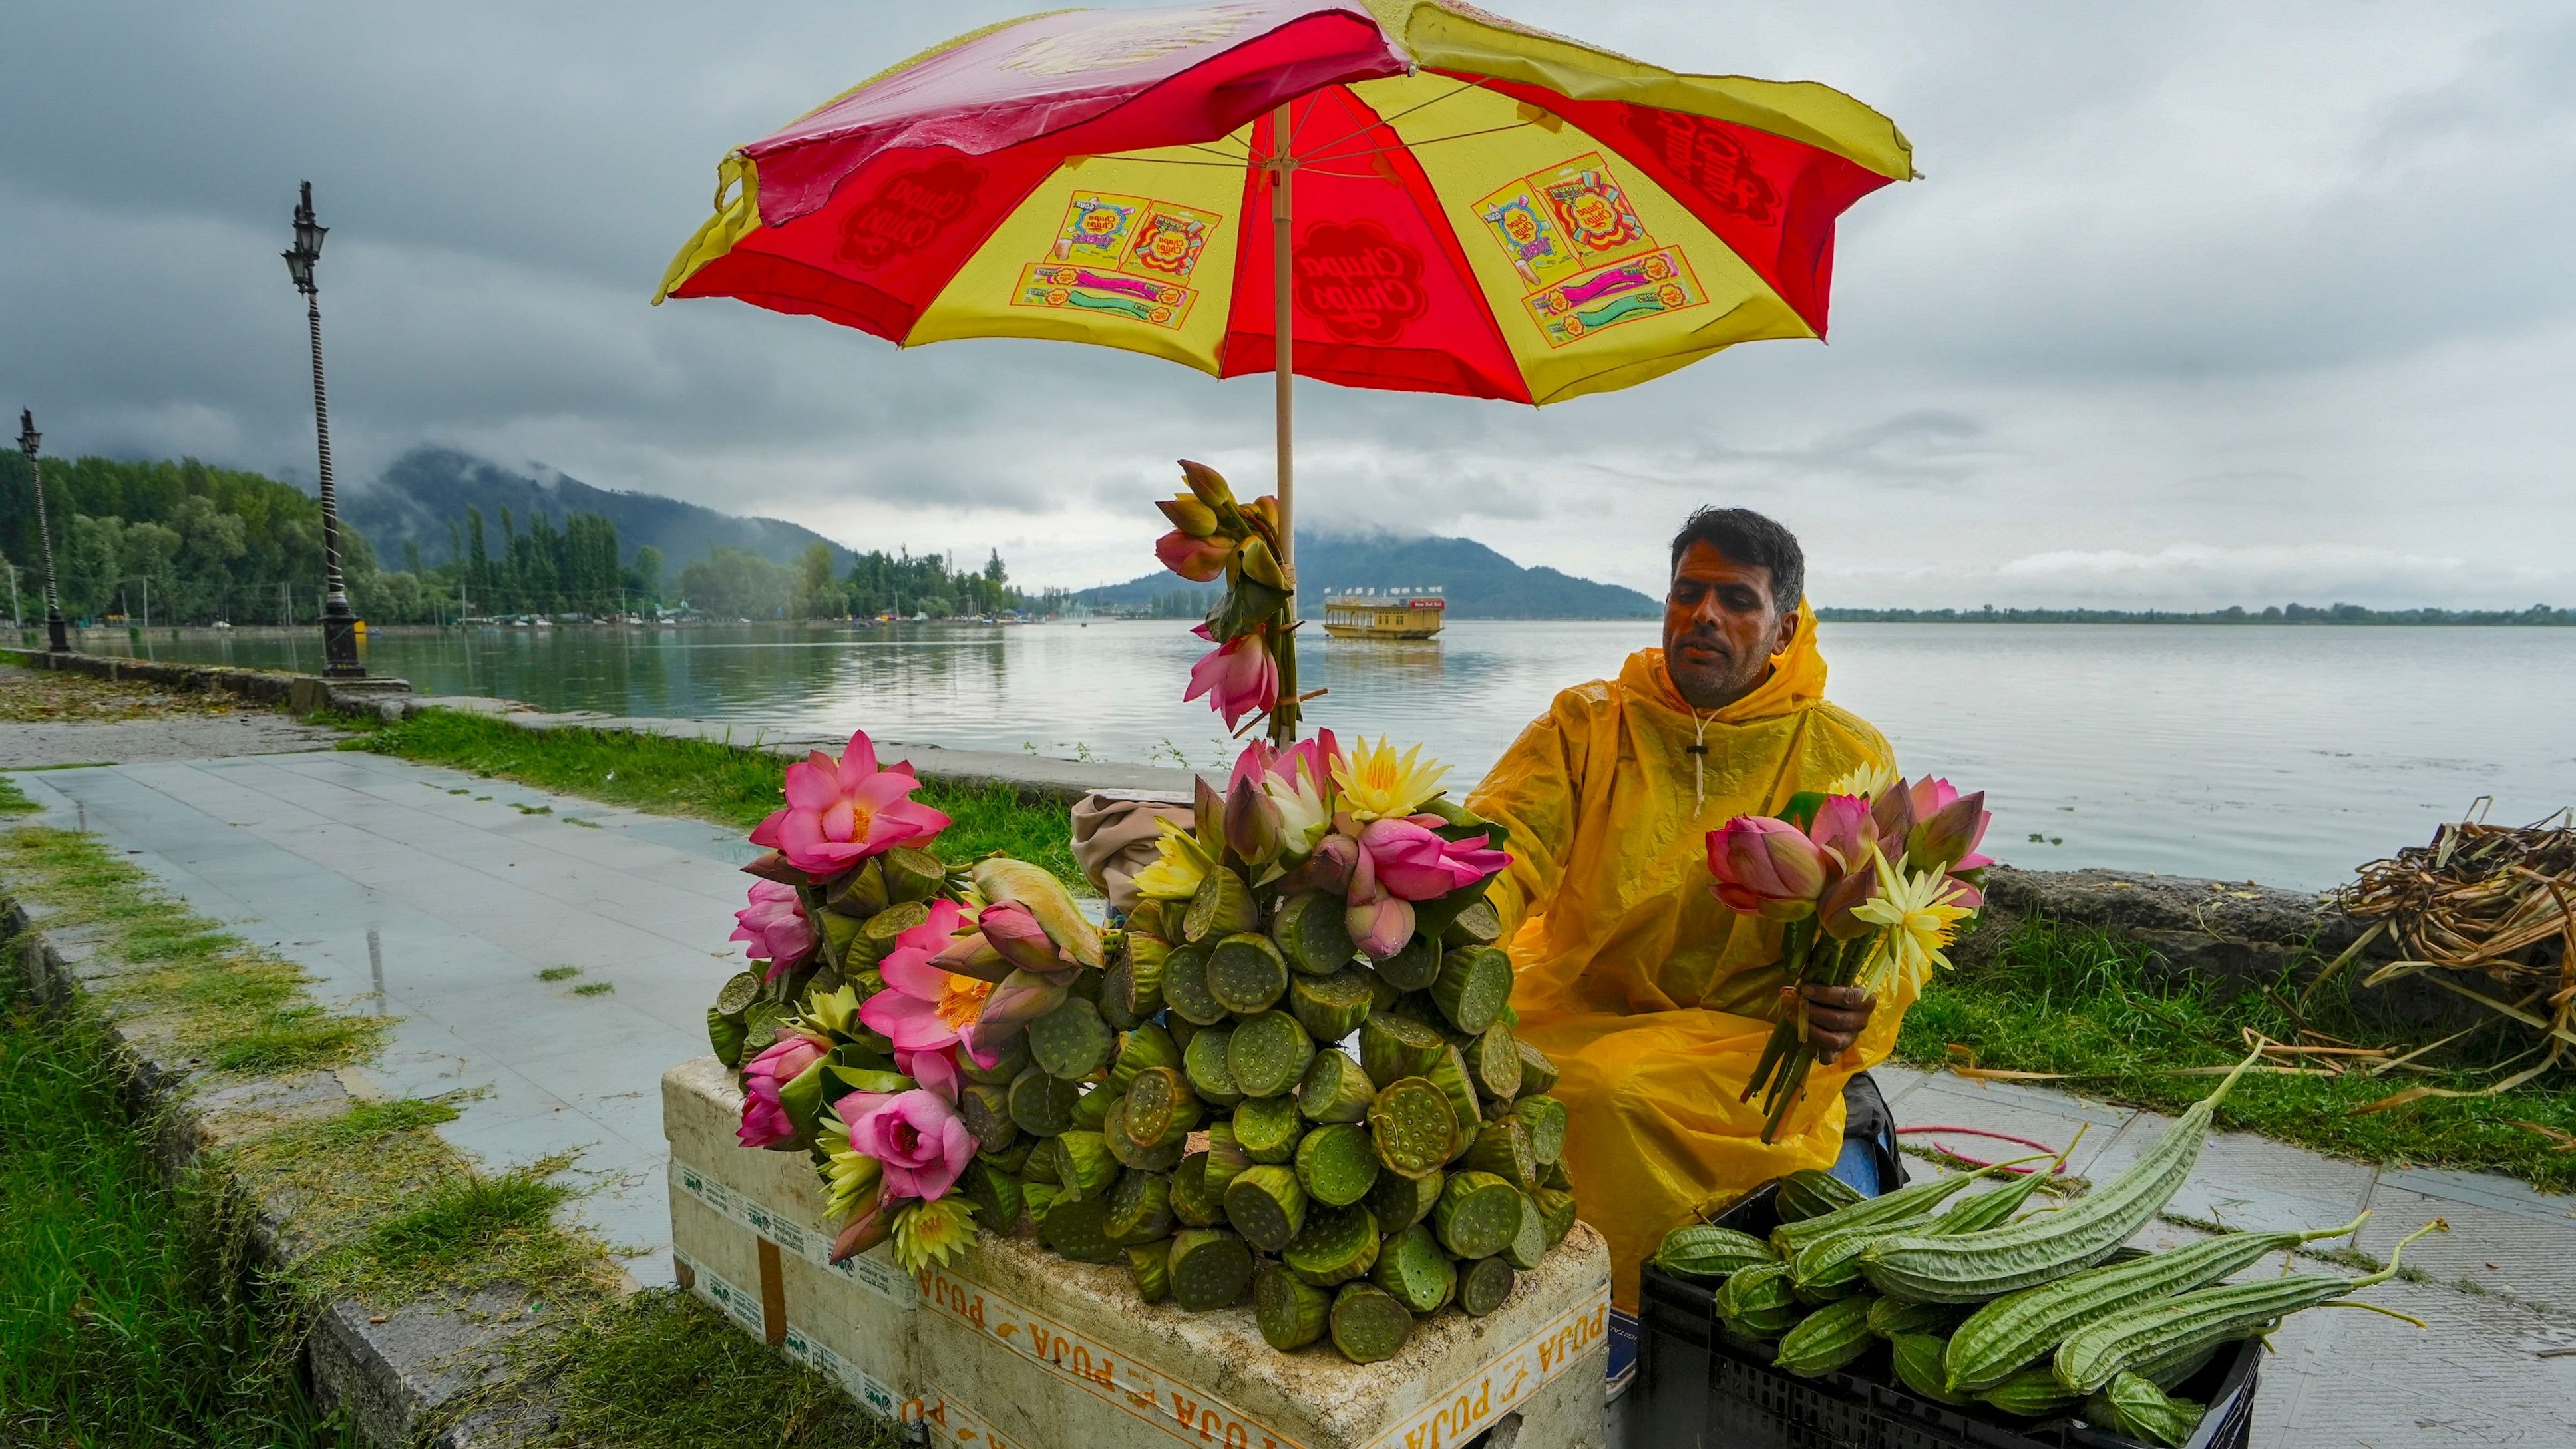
(1653,999)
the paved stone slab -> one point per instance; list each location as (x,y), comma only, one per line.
(25,745)
(2344,1378)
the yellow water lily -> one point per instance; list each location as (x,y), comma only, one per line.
(836,1012)
(1378,784)
(1864,780)
(1305,812)
(932,1232)
(1917,915)
(850,1175)
(1182,864)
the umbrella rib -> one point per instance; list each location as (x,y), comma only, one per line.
(1375,149)
(1364,127)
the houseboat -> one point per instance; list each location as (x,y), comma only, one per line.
(1407,613)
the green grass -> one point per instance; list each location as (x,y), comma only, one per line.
(708,779)
(662,1370)
(463,1218)
(559,973)
(2061,998)
(122,1318)
(594,988)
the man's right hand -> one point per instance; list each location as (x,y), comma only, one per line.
(1836,1016)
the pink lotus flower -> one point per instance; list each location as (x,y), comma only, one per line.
(1200,559)
(764,1117)
(1948,827)
(935,1070)
(1842,829)
(775,925)
(1766,866)
(1013,930)
(917,1135)
(1413,862)
(1380,921)
(923,1008)
(1262,762)
(840,812)
(1239,677)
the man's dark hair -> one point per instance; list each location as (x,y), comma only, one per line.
(1750,540)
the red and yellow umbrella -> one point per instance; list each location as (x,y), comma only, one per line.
(1407,194)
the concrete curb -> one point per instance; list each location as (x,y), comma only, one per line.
(389,1372)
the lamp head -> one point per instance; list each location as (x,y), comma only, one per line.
(28,437)
(308,243)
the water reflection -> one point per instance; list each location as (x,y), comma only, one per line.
(2272,753)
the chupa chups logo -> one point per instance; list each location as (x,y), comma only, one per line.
(1360,282)
(1715,162)
(908,211)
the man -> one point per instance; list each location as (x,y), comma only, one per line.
(1654,999)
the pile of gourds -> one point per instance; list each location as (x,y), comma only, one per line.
(2036,1316)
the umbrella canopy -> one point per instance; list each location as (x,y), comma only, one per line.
(1411,194)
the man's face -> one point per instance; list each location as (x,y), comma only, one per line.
(1721,627)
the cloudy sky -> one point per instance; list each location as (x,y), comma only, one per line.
(2198,303)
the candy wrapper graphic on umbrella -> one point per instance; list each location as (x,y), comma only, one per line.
(1870,880)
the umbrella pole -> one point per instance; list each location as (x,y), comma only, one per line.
(1283,326)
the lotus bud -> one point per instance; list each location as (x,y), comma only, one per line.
(1263,514)
(1262,566)
(1023,997)
(1189,515)
(1017,936)
(1335,857)
(1834,908)
(1381,926)
(1252,823)
(972,955)
(869,1225)
(1200,560)
(1035,888)
(1891,815)
(1949,835)
(1208,484)
(1766,866)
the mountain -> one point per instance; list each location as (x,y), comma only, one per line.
(427,489)
(1478,582)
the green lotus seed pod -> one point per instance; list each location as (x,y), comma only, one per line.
(912,875)
(1538,1074)
(1226,1159)
(1268,1128)
(1529,1241)
(1449,1073)
(1368,1325)
(1150,1265)
(1337,1164)
(1266,1204)
(726,1035)
(1483,1285)
(1414,967)
(1413,1126)
(839,934)
(736,995)
(1210,1268)
(1478,1213)
(1078,1228)
(1334,1089)
(877,933)
(1553,1175)
(1478,925)
(1141,1156)
(1311,932)
(1494,1063)
(1013,1158)
(1222,907)
(1290,1310)
(1330,1007)
(1041,1164)
(1039,1198)
(1203,1061)
(1185,986)
(1473,987)
(1246,974)
(1071,1041)
(1083,1164)
(1141,1048)
(1398,1202)
(1268,1053)
(1140,1209)
(986,1111)
(1557,1209)
(1091,1109)
(1335,1246)
(1411,1267)
(1393,1045)
(1545,1117)
(1502,1148)
(1141,988)
(1192,1204)
(1160,1103)
(995,1194)
(1005,1069)
(861,893)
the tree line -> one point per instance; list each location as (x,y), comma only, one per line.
(192,544)
(2234,614)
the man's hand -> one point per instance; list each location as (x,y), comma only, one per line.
(1836,1016)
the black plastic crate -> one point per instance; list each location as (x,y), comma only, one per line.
(1701,1387)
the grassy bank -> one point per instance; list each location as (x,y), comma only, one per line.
(126,1316)
(2078,1001)
(708,779)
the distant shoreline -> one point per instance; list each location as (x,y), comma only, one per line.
(2538,615)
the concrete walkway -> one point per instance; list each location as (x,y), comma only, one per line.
(437,898)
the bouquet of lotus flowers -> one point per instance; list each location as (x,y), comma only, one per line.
(1253,670)
(881,1021)
(1871,880)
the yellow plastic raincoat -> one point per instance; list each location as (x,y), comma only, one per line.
(1653,999)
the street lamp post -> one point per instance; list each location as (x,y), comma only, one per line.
(339,624)
(57,638)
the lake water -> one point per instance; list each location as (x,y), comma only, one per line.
(2286,755)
